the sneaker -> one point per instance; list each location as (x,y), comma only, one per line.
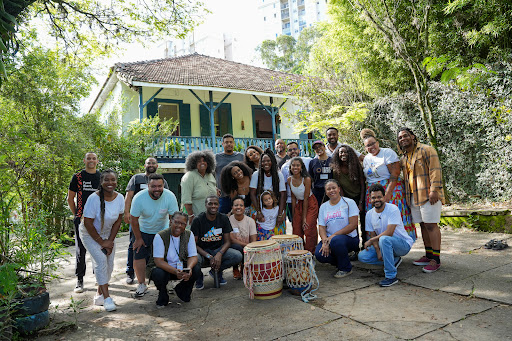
(341,273)
(422,261)
(130,278)
(141,290)
(79,288)
(109,304)
(199,282)
(236,273)
(222,281)
(433,266)
(163,298)
(98,300)
(387,282)
(398,262)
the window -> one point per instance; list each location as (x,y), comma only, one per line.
(275,15)
(264,18)
(168,111)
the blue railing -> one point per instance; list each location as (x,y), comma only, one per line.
(179,147)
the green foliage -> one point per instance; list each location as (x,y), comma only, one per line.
(287,54)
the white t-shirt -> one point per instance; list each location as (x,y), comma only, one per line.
(112,211)
(285,169)
(329,153)
(378,222)
(375,167)
(174,249)
(270,218)
(267,182)
(242,230)
(336,217)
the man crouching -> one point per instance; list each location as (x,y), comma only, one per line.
(172,248)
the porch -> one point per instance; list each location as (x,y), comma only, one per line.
(177,148)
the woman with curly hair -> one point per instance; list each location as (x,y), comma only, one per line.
(252,157)
(382,165)
(235,179)
(348,172)
(271,179)
(198,182)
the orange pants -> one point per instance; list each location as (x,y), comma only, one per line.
(310,235)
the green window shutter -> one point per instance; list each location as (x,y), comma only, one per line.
(185,129)
(226,122)
(303,136)
(151,109)
(204,118)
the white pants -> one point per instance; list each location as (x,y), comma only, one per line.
(103,264)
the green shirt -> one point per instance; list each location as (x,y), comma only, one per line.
(195,189)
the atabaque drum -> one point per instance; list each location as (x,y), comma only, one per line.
(263,269)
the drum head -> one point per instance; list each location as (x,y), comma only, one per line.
(298,252)
(261,243)
(284,236)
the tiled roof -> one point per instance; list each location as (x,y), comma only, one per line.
(200,70)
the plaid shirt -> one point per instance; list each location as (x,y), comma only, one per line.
(426,174)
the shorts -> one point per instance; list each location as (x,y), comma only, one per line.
(144,251)
(426,213)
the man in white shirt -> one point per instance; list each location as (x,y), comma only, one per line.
(177,261)
(388,239)
(332,135)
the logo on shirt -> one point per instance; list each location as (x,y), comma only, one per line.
(213,235)
(338,215)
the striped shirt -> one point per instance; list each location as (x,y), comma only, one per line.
(422,174)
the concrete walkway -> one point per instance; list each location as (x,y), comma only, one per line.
(469,298)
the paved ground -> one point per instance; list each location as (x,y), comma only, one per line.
(469,298)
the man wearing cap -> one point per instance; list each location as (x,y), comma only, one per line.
(293,151)
(320,171)
(332,142)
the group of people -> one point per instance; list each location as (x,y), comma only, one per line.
(231,199)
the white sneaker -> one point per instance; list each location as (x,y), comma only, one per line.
(141,290)
(99,300)
(109,304)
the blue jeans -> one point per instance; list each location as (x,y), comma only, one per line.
(340,247)
(391,248)
(225,205)
(229,258)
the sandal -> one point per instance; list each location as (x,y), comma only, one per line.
(500,245)
(490,244)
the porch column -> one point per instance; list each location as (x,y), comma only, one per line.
(273,112)
(212,121)
(141,105)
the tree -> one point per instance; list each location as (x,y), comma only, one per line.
(90,27)
(287,54)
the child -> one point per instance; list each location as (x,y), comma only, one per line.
(270,211)
(304,204)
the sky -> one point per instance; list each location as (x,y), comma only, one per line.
(238,17)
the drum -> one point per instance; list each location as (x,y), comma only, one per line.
(263,269)
(289,242)
(300,273)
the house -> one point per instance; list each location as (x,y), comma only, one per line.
(209,97)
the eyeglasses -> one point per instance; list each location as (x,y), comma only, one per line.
(293,149)
(371,144)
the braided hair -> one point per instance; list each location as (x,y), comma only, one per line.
(408,130)
(273,173)
(355,171)
(101,193)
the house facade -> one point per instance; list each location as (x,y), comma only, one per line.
(209,97)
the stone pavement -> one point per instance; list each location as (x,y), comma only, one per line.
(469,298)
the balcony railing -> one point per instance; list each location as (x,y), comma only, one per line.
(179,147)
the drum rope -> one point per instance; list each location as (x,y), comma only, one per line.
(307,295)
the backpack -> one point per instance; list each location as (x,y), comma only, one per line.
(166,238)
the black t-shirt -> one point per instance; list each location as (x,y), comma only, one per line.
(210,234)
(281,160)
(84,184)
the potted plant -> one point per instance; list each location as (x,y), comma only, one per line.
(27,262)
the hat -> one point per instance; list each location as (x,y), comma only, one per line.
(318,142)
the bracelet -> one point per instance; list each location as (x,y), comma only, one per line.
(99,237)
(208,256)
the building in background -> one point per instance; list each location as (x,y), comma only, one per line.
(290,17)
